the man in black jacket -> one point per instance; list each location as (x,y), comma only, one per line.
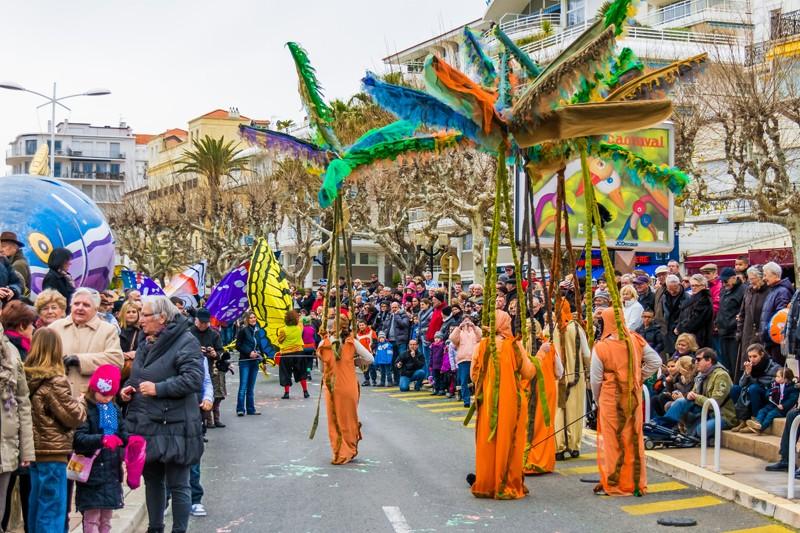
(11,286)
(730,301)
(211,348)
(398,329)
(411,367)
(674,299)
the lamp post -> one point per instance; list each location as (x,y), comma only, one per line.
(431,249)
(52,101)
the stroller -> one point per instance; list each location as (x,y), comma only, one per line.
(656,436)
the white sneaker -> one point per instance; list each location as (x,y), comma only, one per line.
(198,510)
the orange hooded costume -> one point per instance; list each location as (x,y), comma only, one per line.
(502,397)
(620,447)
(540,447)
(341,399)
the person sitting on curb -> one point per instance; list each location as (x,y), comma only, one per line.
(712,381)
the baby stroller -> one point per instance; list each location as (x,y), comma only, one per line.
(656,436)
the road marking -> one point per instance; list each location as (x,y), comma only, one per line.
(457,419)
(410,395)
(575,470)
(432,403)
(452,409)
(671,505)
(471,425)
(763,529)
(666,486)
(396,519)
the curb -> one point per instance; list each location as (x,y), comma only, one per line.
(760,501)
(129,518)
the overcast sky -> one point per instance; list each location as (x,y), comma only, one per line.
(167,61)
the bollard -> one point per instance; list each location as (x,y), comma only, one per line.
(646,404)
(704,433)
(792,456)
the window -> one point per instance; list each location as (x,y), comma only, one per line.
(114,170)
(88,168)
(58,145)
(30,147)
(114,149)
(576,12)
(101,194)
(27,166)
(76,169)
(57,169)
(367,259)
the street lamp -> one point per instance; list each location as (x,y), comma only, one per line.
(431,249)
(52,101)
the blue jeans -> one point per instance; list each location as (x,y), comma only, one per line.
(418,376)
(681,407)
(194,484)
(426,353)
(48,501)
(371,374)
(399,350)
(463,380)
(248,373)
(386,371)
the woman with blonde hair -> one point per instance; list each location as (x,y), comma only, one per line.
(50,306)
(130,331)
(631,307)
(56,414)
(685,344)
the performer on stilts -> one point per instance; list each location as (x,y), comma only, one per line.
(539,455)
(339,357)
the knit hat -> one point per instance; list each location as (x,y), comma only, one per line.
(727,273)
(602,294)
(438,335)
(382,334)
(105,380)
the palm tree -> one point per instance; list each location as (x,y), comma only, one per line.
(213,159)
(284,125)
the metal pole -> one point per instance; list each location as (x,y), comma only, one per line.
(646,403)
(704,433)
(53,133)
(792,456)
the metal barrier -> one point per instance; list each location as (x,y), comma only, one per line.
(792,456)
(646,404)
(704,433)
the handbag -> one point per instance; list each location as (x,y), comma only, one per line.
(79,466)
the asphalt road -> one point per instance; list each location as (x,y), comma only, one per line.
(263,474)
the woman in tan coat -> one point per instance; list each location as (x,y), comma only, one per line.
(56,414)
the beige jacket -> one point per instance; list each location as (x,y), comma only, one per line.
(16,426)
(95,343)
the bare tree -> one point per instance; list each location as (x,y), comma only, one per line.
(737,130)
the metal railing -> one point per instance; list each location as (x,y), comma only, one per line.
(704,433)
(563,39)
(784,24)
(701,10)
(792,456)
(646,393)
(512,23)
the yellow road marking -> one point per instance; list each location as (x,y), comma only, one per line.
(449,409)
(471,425)
(457,419)
(671,505)
(433,403)
(383,389)
(763,529)
(666,486)
(410,395)
(591,469)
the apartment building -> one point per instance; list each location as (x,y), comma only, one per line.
(98,160)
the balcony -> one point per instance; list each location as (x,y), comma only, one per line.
(517,26)
(95,176)
(94,154)
(691,12)
(647,43)
(784,25)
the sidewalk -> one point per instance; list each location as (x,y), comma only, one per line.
(125,520)
(742,479)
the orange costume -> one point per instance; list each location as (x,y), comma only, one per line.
(502,399)
(620,447)
(341,399)
(540,448)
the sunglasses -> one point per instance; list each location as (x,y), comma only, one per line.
(698,359)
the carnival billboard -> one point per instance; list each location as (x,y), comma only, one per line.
(641,216)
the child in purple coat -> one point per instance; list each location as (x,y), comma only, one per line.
(437,356)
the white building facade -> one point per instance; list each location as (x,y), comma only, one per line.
(95,159)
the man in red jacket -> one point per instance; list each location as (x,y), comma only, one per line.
(439,301)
